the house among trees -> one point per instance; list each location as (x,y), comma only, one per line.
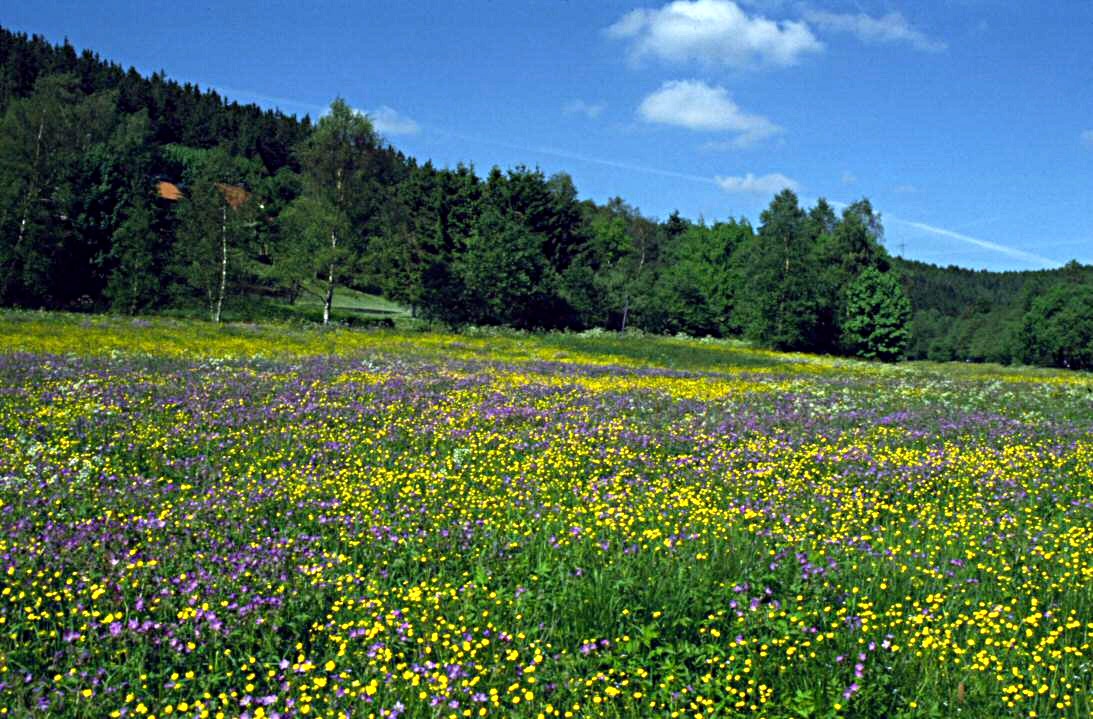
(168,191)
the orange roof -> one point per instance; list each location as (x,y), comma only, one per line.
(234,195)
(168,191)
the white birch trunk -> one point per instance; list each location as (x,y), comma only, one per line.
(223,262)
(328,300)
(32,188)
(28,201)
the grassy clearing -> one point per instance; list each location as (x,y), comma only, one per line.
(350,300)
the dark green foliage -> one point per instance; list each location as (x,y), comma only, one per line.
(457,206)
(303,251)
(178,113)
(877,319)
(843,250)
(137,254)
(67,166)
(412,243)
(435,212)
(524,232)
(821,220)
(777,302)
(974,315)
(81,146)
(506,275)
(693,293)
(1058,328)
(611,273)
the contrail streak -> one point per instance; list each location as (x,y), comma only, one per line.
(225,91)
(967,239)
(985,244)
(566,155)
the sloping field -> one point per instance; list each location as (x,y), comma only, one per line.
(270,522)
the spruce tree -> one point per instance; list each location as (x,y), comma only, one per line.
(877,319)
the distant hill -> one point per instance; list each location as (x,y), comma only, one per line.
(976,315)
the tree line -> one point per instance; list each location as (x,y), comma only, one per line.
(132,194)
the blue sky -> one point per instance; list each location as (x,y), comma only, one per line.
(968,123)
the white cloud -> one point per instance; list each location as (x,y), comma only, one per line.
(697,106)
(889,28)
(906,189)
(763,184)
(592,110)
(714,32)
(1087,138)
(848,177)
(389,121)
(741,142)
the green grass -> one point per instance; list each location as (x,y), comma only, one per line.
(349,300)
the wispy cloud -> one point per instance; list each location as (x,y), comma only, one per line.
(1087,138)
(848,178)
(389,121)
(906,189)
(694,105)
(1014,252)
(762,184)
(591,110)
(740,142)
(713,32)
(890,28)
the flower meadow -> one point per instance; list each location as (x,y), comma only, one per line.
(261,522)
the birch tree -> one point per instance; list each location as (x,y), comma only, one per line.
(214,225)
(336,160)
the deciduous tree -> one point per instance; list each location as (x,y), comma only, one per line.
(336,160)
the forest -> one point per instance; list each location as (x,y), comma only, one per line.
(140,195)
